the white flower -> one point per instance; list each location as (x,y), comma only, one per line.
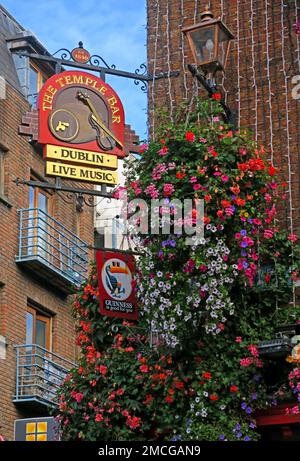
(197,399)
(159,274)
(205,394)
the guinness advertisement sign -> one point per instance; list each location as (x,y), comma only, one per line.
(116,284)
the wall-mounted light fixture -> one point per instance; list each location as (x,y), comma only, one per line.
(209,41)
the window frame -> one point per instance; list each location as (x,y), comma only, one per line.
(40,76)
(47,319)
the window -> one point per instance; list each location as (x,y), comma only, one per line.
(39,229)
(38,328)
(36,81)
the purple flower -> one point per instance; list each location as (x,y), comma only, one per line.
(252,425)
(244,244)
(247,438)
(222,437)
(172,243)
(274,402)
(243,232)
(254,396)
(244,406)
(243,253)
(237,427)
(249,410)
(238,435)
(245,265)
(257,377)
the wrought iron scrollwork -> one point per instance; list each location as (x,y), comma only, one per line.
(63,54)
(141,71)
(96,60)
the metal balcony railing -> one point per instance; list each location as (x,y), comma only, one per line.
(39,375)
(45,243)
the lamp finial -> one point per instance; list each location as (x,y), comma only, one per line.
(207,14)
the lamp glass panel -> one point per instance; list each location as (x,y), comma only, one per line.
(204,43)
(223,43)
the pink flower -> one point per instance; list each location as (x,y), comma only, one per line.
(268,233)
(196,186)
(193,179)
(168,189)
(204,140)
(238,339)
(225,178)
(78,396)
(246,362)
(103,369)
(151,190)
(143,148)
(253,350)
(257,221)
(292,238)
(163,151)
(98,418)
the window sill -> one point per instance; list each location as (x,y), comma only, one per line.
(5,201)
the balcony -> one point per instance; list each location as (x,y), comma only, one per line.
(39,375)
(51,251)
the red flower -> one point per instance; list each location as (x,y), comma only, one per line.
(267,278)
(213,397)
(180,175)
(162,376)
(189,136)
(243,166)
(206,375)
(233,389)
(129,349)
(169,399)
(272,170)
(148,400)
(103,369)
(179,385)
(240,201)
(144,368)
(120,392)
(98,418)
(217,96)
(133,422)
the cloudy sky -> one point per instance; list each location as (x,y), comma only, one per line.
(113,29)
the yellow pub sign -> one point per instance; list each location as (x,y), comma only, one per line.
(82,173)
(86,157)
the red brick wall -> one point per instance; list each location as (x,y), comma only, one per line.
(263,59)
(16,285)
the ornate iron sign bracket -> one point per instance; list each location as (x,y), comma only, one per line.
(81,59)
(96,63)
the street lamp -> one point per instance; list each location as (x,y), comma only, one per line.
(210,42)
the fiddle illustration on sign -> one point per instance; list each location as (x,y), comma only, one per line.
(79,108)
(116,285)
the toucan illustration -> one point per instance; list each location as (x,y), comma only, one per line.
(112,281)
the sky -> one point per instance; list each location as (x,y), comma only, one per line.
(113,29)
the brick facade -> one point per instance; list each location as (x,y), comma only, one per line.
(264,57)
(18,286)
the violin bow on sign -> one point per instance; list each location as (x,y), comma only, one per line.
(105,136)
